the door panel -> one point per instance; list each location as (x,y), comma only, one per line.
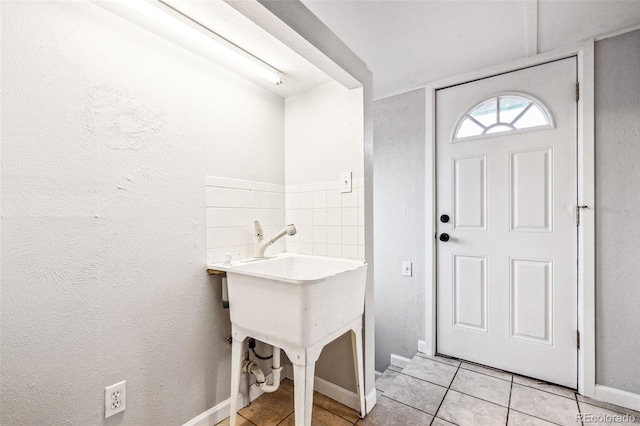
(507,278)
(531,201)
(469,189)
(531,299)
(470,291)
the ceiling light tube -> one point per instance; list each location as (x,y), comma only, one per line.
(163,14)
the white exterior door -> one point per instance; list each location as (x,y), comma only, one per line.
(506,177)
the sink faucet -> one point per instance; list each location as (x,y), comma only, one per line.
(260,244)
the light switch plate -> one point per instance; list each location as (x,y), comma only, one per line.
(407,269)
(345,182)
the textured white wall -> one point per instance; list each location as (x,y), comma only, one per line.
(107,134)
(400,218)
(617,84)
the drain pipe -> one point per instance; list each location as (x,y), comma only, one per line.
(249,366)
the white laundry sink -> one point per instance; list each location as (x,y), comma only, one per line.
(294,299)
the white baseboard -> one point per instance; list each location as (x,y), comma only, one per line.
(340,394)
(399,361)
(617,397)
(422,346)
(370,400)
(214,415)
(378,374)
(333,391)
(221,411)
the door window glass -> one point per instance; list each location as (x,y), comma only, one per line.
(500,114)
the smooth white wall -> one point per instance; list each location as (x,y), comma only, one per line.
(399,188)
(107,134)
(324,136)
(617,108)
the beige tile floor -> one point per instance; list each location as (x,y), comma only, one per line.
(441,391)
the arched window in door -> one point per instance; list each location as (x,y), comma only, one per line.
(502,113)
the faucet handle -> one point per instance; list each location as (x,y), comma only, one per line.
(228,257)
(258,229)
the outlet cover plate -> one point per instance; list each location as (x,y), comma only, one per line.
(115,398)
(345,182)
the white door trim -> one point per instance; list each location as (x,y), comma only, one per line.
(586,196)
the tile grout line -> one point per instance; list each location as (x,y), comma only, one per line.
(535,417)
(445,394)
(542,390)
(489,375)
(509,403)
(579,410)
(251,423)
(407,405)
(286,417)
(506,372)
(468,369)
(459,361)
(455,390)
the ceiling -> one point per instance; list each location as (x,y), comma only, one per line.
(299,75)
(409,43)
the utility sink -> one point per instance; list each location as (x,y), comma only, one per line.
(297,303)
(294,299)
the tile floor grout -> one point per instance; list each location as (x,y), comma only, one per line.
(509,403)
(460,366)
(435,415)
(468,381)
(534,416)
(579,410)
(489,375)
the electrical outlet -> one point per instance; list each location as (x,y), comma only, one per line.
(115,398)
(407,269)
(345,182)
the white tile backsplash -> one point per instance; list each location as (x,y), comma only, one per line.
(334,199)
(231,207)
(349,216)
(319,186)
(334,235)
(320,199)
(334,216)
(350,235)
(330,223)
(319,217)
(350,199)
(306,200)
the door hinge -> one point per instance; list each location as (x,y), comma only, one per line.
(577,91)
(578,208)
(578,338)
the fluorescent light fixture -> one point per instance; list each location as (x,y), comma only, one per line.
(163,14)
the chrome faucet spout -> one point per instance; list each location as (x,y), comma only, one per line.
(260,244)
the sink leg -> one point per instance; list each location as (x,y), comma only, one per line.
(356,344)
(236,359)
(303,392)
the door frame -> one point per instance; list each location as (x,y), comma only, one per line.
(586,196)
